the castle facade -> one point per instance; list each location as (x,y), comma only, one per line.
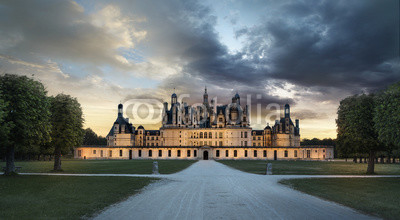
(205,131)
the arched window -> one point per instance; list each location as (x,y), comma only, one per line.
(255,153)
(235,153)
(286,153)
(210,135)
(264,153)
(150,153)
(201,134)
(245,153)
(205,134)
(227,153)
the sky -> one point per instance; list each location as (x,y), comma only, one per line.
(310,54)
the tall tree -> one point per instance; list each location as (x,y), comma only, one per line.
(356,127)
(387,116)
(91,138)
(4,126)
(26,115)
(67,121)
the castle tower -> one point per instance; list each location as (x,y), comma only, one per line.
(287,111)
(120,110)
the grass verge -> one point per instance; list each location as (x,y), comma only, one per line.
(105,166)
(310,167)
(376,196)
(63,197)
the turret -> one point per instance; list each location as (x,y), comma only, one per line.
(205,97)
(287,111)
(120,110)
(173,99)
(237,97)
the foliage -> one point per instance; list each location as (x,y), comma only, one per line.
(4,126)
(27,115)
(91,138)
(316,141)
(387,116)
(67,121)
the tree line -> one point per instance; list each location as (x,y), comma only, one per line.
(33,124)
(369,124)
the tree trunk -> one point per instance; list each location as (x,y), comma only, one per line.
(355,159)
(394,159)
(388,159)
(10,166)
(371,163)
(345,159)
(57,159)
(360,159)
(365,160)
(382,159)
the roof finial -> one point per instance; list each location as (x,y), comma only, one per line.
(205,89)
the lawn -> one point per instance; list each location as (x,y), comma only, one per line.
(311,167)
(105,166)
(376,196)
(62,197)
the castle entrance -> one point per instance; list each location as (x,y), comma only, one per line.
(205,155)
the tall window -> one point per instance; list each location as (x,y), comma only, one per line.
(220,134)
(205,134)
(201,134)
(169,153)
(245,134)
(295,153)
(245,153)
(188,153)
(255,153)
(79,153)
(217,153)
(120,153)
(110,153)
(245,143)
(227,153)
(241,134)
(94,151)
(286,153)
(179,153)
(195,153)
(220,143)
(264,153)
(210,135)
(308,153)
(160,153)
(150,153)
(140,153)
(235,153)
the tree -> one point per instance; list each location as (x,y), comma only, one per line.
(26,115)
(4,126)
(387,116)
(356,127)
(67,121)
(91,138)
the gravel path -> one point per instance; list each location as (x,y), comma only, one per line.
(210,190)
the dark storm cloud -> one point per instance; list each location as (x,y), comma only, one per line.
(330,43)
(339,44)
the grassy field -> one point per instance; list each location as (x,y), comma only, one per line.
(311,167)
(61,197)
(105,166)
(376,196)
